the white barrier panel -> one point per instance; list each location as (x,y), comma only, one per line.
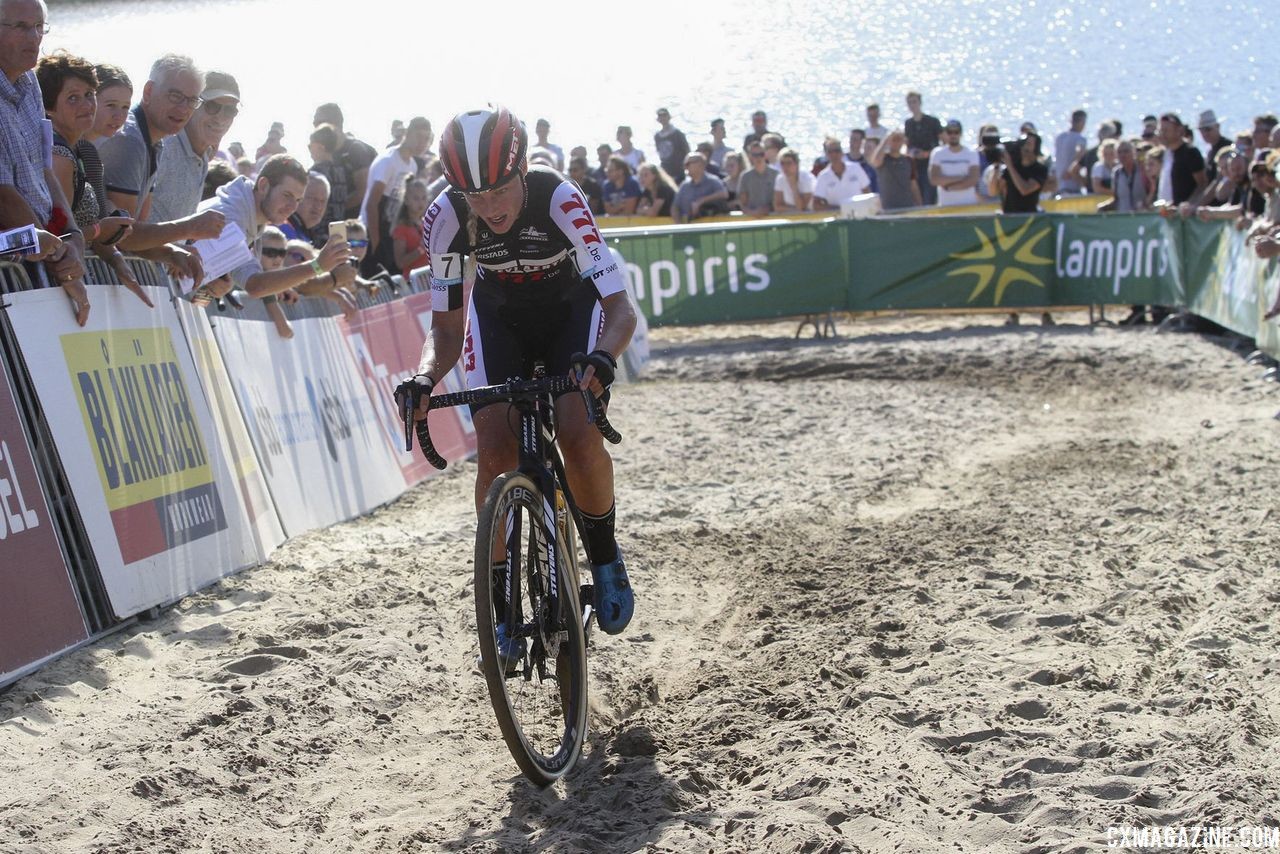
(136,438)
(317,436)
(386,341)
(233,436)
(39,613)
(636,357)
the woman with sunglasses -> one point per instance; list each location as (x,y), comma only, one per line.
(547,289)
(69,86)
(272,251)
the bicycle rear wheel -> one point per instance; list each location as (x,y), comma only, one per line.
(541,701)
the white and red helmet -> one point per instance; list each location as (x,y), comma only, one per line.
(482,149)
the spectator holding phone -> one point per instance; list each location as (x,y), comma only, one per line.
(270,200)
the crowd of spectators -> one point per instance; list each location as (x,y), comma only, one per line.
(143,170)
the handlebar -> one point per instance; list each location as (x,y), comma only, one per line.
(511,391)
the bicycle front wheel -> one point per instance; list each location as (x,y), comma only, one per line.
(537,677)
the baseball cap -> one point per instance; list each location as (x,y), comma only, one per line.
(1208,119)
(219,84)
(953,124)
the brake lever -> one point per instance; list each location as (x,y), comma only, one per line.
(588,399)
(408,405)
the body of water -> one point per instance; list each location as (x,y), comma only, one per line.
(590,67)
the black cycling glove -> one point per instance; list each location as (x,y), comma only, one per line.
(602,361)
(414,388)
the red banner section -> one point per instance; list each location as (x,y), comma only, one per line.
(387,343)
(39,614)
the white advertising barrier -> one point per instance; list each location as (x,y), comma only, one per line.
(136,438)
(386,342)
(233,436)
(636,357)
(318,438)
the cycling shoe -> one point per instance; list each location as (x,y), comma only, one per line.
(510,650)
(612,597)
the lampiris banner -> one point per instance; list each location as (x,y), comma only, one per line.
(732,272)
(1016,261)
(749,272)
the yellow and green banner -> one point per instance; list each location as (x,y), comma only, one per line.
(732,272)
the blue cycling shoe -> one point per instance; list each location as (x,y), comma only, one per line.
(612,598)
(510,650)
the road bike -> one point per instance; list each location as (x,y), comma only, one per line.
(527,579)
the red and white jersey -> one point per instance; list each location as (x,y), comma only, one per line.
(553,246)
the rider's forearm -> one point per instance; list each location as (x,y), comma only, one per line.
(619,324)
(440,352)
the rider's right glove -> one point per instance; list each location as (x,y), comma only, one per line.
(602,361)
(413,388)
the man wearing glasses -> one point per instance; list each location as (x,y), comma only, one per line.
(29,192)
(840,181)
(755,187)
(184,159)
(130,160)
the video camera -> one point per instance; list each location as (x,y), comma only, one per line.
(993,141)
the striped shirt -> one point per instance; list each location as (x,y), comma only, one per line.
(26,143)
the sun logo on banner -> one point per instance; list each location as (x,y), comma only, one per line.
(1010,254)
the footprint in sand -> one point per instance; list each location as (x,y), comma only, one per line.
(265,659)
(1028,710)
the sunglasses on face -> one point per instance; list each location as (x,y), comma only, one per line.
(357,242)
(213,108)
(271,252)
(296,255)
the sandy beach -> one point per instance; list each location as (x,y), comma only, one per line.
(935,584)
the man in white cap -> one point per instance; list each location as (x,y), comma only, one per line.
(1211,133)
(184,158)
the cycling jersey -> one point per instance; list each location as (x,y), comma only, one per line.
(552,245)
(538,285)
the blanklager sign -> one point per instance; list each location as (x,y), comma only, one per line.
(136,438)
(151,455)
(39,613)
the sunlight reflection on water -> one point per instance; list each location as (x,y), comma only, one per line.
(813,71)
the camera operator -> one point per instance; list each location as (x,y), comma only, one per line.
(1019,174)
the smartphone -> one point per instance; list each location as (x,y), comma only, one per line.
(338,230)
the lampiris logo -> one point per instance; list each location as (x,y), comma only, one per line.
(664,280)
